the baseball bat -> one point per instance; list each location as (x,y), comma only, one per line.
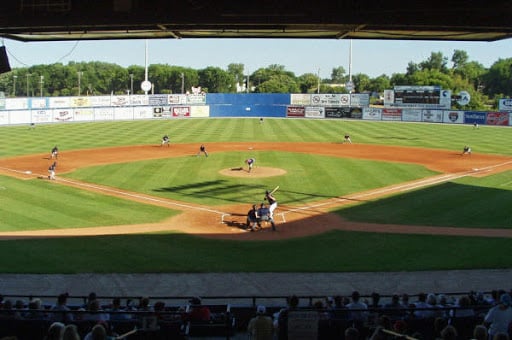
(275,189)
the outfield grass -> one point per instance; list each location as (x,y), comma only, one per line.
(468,202)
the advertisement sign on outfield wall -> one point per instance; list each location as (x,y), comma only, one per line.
(99,101)
(497,118)
(411,115)
(41,116)
(59,102)
(392,114)
(302,99)
(472,117)
(84,114)
(372,113)
(104,113)
(315,112)
(432,116)
(332,99)
(456,117)
(157,99)
(196,98)
(296,111)
(360,99)
(16,103)
(177,99)
(39,103)
(200,111)
(181,111)
(80,102)
(356,112)
(120,100)
(337,112)
(63,115)
(505,104)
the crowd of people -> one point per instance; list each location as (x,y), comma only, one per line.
(421,316)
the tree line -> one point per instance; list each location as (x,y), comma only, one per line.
(485,85)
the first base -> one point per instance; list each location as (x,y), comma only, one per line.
(28,172)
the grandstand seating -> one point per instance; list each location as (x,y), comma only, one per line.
(227,320)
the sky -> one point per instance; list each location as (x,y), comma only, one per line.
(300,56)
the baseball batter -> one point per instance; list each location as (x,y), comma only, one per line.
(272,202)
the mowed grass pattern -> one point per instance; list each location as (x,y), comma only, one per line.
(197,179)
(458,203)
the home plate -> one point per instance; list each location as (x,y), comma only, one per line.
(28,172)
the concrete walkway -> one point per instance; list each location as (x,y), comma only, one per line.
(255,284)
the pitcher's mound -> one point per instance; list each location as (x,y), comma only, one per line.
(257,172)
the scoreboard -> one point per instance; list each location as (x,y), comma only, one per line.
(417,95)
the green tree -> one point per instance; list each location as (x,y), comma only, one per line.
(361,82)
(237,71)
(498,80)
(308,83)
(436,61)
(216,80)
(280,83)
(459,59)
(338,75)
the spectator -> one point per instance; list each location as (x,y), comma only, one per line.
(70,333)
(423,309)
(261,326)
(352,333)
(117,312)
(394,308)
(8,311)
(463,308)
(500,316)
(98,332)
(95,312)
(358,309)
(480,333)
(55,331)
(61,311)
(281,318)
(35,310)
(197,312)
(449,333)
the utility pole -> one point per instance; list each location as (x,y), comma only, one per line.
(41,86)
(80,73)
(28,87)
(131,83)
(182,82)
(14,85)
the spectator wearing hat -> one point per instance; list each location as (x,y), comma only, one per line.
(500,316)
(261,326)
(196,311)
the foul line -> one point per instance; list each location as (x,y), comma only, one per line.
(397,188)
(142,197)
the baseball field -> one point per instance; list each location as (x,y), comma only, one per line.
(401,197)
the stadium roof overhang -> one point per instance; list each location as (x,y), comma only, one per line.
(59,20)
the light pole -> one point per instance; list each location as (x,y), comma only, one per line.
(80,73)
(318,84)
(182,82)
(131,83)
(28,84)
(14,77)
(41,86)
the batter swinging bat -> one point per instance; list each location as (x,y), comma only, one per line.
(275,189)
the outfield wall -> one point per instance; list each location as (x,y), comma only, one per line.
(15,111)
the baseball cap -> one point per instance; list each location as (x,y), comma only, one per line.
(506,300)
(261,309)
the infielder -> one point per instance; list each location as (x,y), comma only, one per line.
(466,150)
(51,171)
(55,152)
(250,163)
(165,140)
(202,149)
